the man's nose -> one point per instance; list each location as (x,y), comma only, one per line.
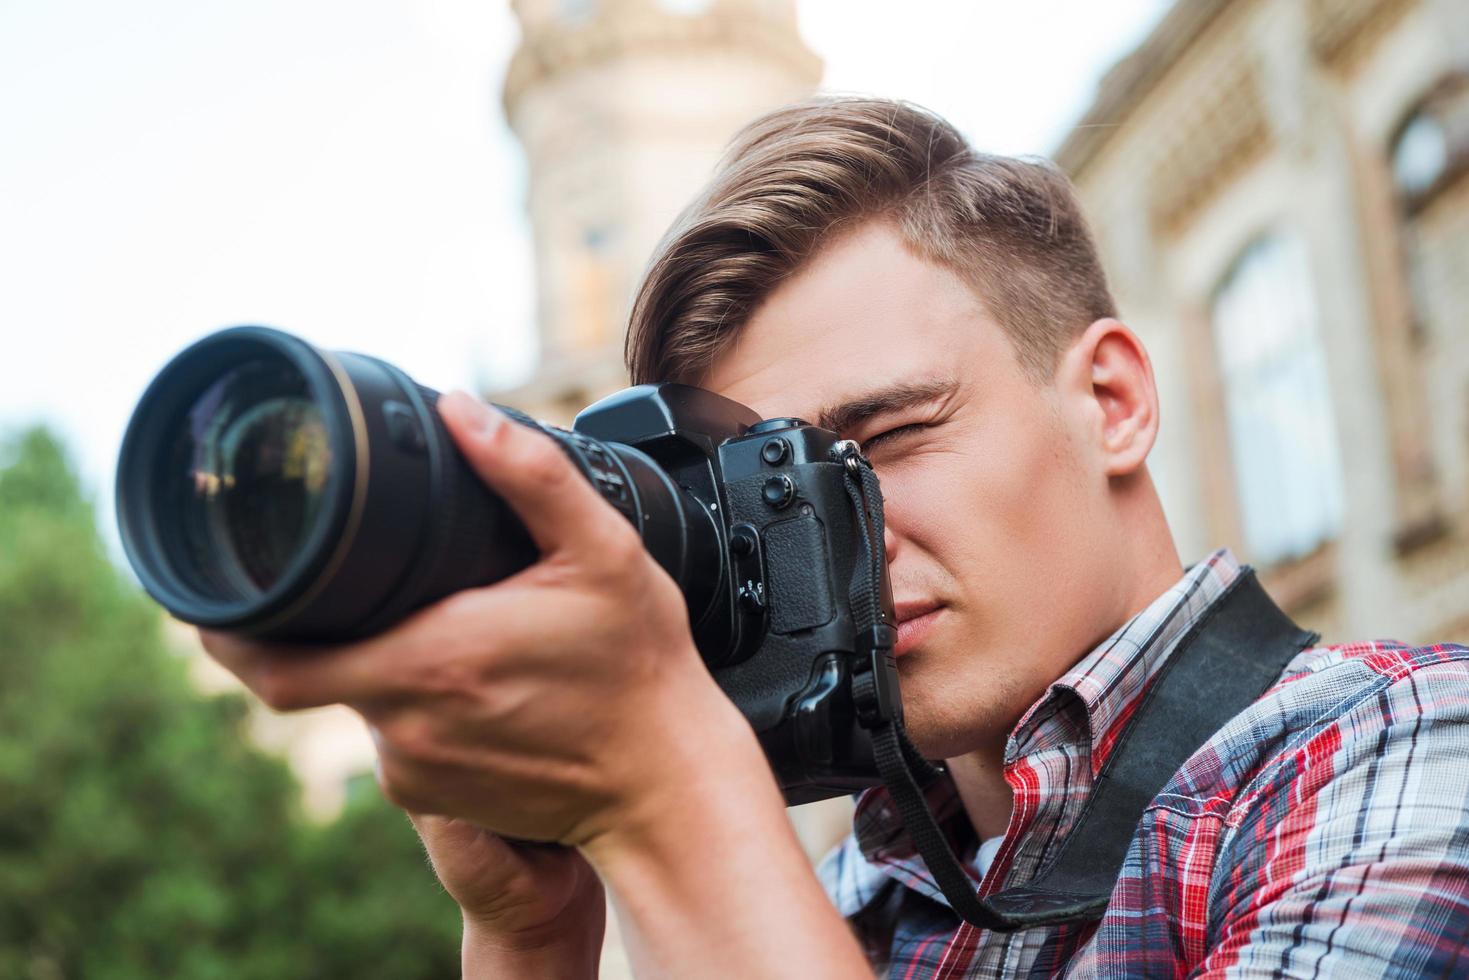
(889,542)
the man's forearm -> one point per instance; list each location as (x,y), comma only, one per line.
(717,884)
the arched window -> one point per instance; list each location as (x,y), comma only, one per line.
(1430,148)
(1420,156)
(1278,402)
(1428,154)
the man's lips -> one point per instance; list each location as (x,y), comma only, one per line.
(915,619)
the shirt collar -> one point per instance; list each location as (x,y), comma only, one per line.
(1102,688)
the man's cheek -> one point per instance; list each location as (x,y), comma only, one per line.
(933,513)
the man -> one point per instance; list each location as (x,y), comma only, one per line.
(854,263)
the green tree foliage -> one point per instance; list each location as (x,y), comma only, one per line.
(141,834)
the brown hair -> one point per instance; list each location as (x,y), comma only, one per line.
(791,179)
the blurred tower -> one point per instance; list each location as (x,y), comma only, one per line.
(623,107)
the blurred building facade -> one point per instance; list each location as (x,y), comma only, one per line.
(1280,189)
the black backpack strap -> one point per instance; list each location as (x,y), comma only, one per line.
(1234,652)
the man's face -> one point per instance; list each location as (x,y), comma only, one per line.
(993,500)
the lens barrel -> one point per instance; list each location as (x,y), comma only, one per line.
(270,488)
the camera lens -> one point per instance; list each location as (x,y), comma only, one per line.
(239,479)
(275,489)
(247,474)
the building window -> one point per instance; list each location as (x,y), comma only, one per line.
(1278,402)
(1427,155)
(1421,154)
(578,10)
(1430,148)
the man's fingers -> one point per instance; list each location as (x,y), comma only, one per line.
(450,833)
(289,678)
(557,505)
(428,654)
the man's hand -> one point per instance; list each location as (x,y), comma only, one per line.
(560,703)
(527,908)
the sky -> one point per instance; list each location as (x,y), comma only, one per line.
(342,169)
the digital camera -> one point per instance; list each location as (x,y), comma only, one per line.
(277,490)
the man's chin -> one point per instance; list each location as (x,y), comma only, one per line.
(933,738)
(942,726)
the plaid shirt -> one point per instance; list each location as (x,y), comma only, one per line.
(1322,832)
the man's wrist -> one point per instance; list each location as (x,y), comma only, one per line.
(702,781)
(555,952)
(708,876)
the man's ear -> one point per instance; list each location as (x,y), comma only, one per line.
(1107,370)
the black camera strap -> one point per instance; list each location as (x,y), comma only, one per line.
(1226,660)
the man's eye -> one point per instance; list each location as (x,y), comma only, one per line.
(891,434)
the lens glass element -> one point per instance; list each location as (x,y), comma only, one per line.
(245,479)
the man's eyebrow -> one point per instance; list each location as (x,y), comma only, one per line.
(853,412)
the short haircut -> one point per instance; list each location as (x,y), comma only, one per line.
(793,179)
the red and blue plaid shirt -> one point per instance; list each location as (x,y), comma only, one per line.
(1323,832)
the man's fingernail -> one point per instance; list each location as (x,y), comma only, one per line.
(479,417)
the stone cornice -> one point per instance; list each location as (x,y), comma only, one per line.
(1131,79)
(1343,30)
(1340,30)
(546,54)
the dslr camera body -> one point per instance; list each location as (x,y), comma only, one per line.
(781,639)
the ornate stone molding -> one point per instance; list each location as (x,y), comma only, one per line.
(1210,141)
(544,55)
(1345,31)
(1341,33)
(1131,79)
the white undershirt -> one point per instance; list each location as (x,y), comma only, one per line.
(986,854)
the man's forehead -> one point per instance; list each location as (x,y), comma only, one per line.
(836,382)
(863,316)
